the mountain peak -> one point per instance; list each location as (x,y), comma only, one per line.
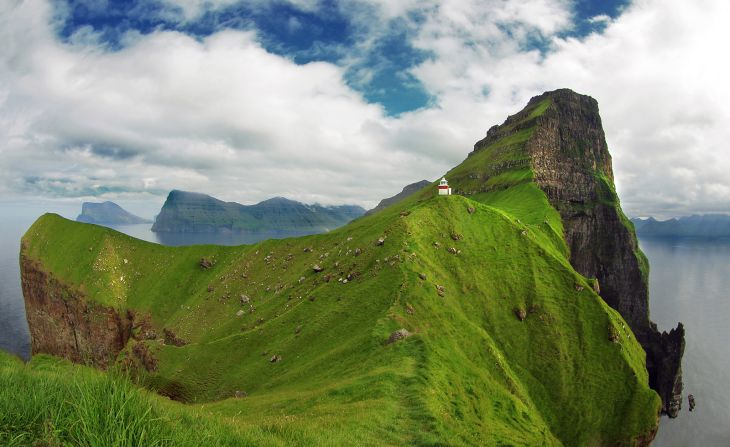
(107,213)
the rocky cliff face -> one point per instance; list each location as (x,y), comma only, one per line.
(569,157)
(63,323)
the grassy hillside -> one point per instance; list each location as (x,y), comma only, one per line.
(471,373)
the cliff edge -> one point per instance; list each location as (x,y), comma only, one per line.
(565,148)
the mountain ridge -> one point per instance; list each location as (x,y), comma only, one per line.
(407,191)
(708,226)
(192,212)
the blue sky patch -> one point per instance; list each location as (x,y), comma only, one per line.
(379,72)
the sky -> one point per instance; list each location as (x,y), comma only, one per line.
(347,101)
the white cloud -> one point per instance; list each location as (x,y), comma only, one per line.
(223,116)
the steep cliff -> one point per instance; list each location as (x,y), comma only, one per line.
(64,323)
(107,213)
(187,212)
(558,142)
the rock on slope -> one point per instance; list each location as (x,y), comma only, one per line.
(507,342)
(188,212)
(107,213)
(407,191)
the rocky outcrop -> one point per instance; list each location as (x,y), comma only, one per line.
(63,323)
(570,160)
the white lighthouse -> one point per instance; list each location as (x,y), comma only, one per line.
(444,189)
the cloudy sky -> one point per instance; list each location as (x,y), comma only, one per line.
(347,101)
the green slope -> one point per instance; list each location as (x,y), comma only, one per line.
(472,373)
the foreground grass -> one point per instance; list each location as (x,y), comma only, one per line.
(50,402)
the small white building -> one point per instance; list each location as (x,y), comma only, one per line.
(444,189)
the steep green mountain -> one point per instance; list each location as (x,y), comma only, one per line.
(441,320)
(407,191)
(107,213)
(188,212)
(703,226)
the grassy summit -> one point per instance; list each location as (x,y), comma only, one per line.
(508,344)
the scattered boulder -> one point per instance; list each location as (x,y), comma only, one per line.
(244,299)
(327,278)
(206,263)
(440,290)
(404,213)
(400,334)
(210,289)
(410,310)
(596,286)
(456,237)
(358,252)
(454,250)
(298,329)
(275,358)
(523,232)
(172,339)
(613,334)
(317,268)
(691,400)
(240,313)
(239,394)
(307,249)
(422,276)
(520,313)
(470,209)
(578,287)
(380,241)
(436,244)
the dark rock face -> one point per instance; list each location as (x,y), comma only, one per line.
(571,164)
(405,193)
(64,324)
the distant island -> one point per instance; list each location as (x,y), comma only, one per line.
(108,213)
(190,212)
(705,226)
(407,191)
